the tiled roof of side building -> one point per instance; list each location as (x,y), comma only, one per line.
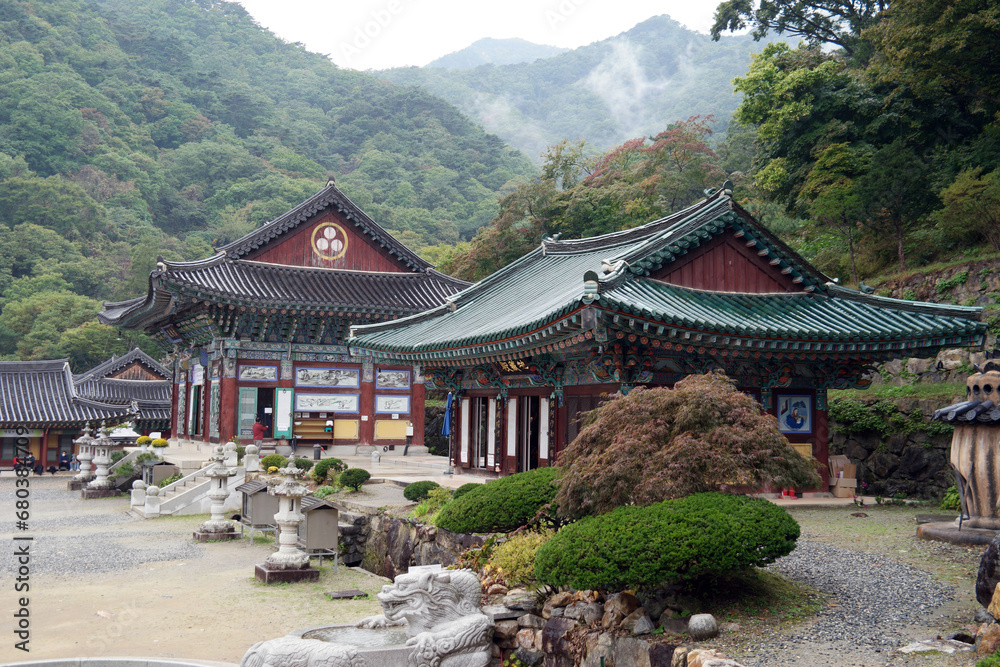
(121,392)
(115,364)
(41,393)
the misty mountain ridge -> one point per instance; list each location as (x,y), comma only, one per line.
(630,85)
(490,51)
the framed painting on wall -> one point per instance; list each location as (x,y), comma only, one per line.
(326,402)
(328,377)
(258,374)
(794,413)
(390,405)
(392,380)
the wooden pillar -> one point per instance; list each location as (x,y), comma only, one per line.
(821,446)
(417,413)
(205,407)
(366,404)
(228,398)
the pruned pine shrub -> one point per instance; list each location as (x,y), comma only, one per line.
(654,444)
(321,470)
(464,489)
(671,541)
(302,464)
(514,560)
(419,490)
(504,504)
(353,478)
(273,461)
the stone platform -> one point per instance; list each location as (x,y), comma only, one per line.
(285,576)
(947,531)
(73,485)
(200,536)
(89,494)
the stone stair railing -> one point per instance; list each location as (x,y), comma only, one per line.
(189,494)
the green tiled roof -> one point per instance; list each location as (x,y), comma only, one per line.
(539,296)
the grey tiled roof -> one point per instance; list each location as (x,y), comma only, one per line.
(115,364)
(40,394)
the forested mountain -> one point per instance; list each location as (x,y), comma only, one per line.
(136,128)
(872,148)
(489,51)
(628,86)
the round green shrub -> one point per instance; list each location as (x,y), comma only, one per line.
(302,464)
(354,477)
(419,490)
(501,505)
(273,461)
(671,541)
(464,489)
(322,469)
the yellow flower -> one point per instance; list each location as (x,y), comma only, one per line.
(273,469)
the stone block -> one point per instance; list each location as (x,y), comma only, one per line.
(661,655)
(953,359)
(526,638)
(680,657)
(994,607)
(919,366)
(529,657)
(505,629)
(554,635)
(632,652)
(267,576)
(624,603)
(531,621)
(588,612)
(635,619)
(599,651)
(673,626)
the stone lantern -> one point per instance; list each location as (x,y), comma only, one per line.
(289,563)
(975,458)
(218,528)
(84,455)
(101,486)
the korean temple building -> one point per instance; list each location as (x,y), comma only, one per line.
(529,348)
(259,330)
(44,407)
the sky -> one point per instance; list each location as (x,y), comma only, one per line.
(378,34)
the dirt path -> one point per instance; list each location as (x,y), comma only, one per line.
(206,605)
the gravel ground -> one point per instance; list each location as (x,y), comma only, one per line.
(878,605)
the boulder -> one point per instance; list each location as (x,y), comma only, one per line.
(632,652)
(989,572)
(994,607)
(624,603)
(599,651)
(702,626)
(497,589)
(638,622)
(526,638)
(673,626)
(529,657)
(531,621)
(588,612)
(521,599)
(554,635)
(680,658)
(988,639)
(505,629)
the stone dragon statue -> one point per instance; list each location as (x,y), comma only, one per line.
(440,609)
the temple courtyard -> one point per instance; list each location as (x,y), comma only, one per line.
(104,583)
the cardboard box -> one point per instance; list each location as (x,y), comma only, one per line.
(847,482)
(850,470)
(842,492)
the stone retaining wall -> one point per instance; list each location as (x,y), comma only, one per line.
(914,463)
(388,545)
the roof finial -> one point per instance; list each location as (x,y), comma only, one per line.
(329,180)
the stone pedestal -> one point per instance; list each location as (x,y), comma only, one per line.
(151,505)
(218,528)
(289,563)
(138,493)
(251,459)
(84,455)
(101,486)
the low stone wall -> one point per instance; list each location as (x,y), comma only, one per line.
(388,545)
(910,455)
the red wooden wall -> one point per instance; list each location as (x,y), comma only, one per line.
(299,247)
(725,264)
